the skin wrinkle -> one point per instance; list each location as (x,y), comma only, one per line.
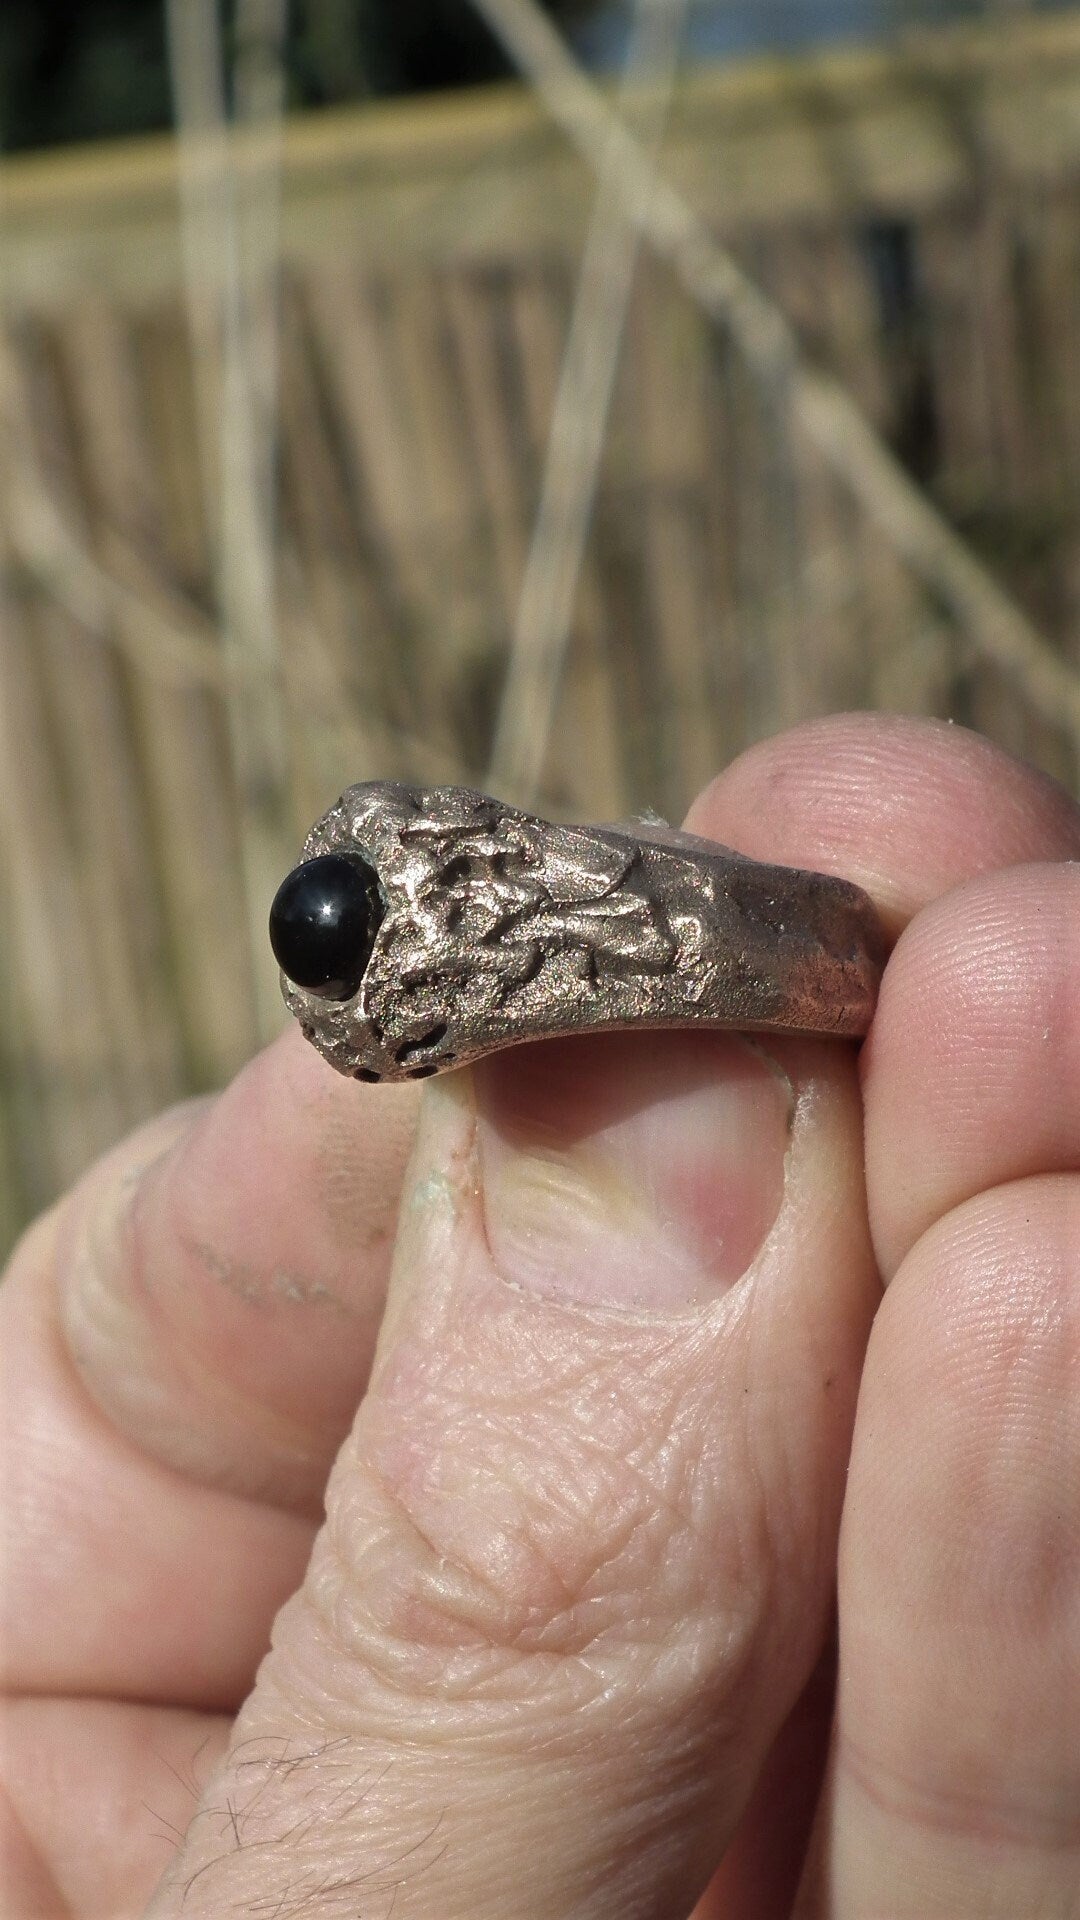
(267,1430)
(530,1423)
(279,1286)
(997,1335)
(981,1327)
(112,1522)
(371,1632)
(286,1439)
(601,1324)
(685,1781)
(358,1211)
(609,1544)
(989,973)
(372,1770)
(947,1811)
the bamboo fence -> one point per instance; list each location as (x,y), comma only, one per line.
(177,701)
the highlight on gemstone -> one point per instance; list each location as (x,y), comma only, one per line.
(323,923)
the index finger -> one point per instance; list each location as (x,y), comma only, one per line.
(184,1342)
(906,808)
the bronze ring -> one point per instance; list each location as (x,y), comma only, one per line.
(428,925)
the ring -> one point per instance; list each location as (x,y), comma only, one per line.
(426,926)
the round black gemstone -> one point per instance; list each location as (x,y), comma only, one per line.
(323,924)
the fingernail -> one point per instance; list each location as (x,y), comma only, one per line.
(631,1170)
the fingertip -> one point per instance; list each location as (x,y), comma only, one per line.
(956,1767)
(971,1074)
(905,807)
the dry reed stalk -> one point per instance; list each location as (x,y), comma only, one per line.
(820,278)
(723,500)
(65,1087)
(168,411)
(230,236)
(545,610)
(1011,425)
(494,383)
(97,767)
(464,540)
(844,622)
(187,797)
(946,250)
(149,621)
(910,655)
(309,611)
(352,691)
(166,637)
(764,587)
(495,444)
(780,565)
(386,482)
(203,182)
(585,771)
(720,492)
(153,625)
(17,1122)
(836,645)
(664,344)
(988,459)
(1051,291)
(990,625)
(374,664)
(329,650)
(96,356)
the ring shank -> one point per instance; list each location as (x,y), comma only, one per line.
(499,928)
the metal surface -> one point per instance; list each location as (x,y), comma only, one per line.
(500,928)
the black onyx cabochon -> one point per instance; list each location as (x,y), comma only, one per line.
(323,923)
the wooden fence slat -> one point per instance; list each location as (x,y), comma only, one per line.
(664,350)
(921,233)
(184,788)
(360,370)
(585,763)
(57,1055)
(88,708)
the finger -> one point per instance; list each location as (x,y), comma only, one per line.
(117,1575)
(183,1344)
(579,1549)
(907,808)
(95,1798)
(221,1299)
(759,1876)
(955,1780)
(910,809)
(972,1074)
(961,1798)
(290,1159)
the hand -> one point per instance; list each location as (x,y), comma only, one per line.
(564,1641)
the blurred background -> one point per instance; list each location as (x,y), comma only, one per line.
(551,398)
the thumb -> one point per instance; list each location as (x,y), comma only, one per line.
(580,1546)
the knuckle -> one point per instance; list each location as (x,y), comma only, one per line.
(547,1542)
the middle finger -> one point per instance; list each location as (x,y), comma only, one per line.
(185,1341)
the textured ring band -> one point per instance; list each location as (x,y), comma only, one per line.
(427,926)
